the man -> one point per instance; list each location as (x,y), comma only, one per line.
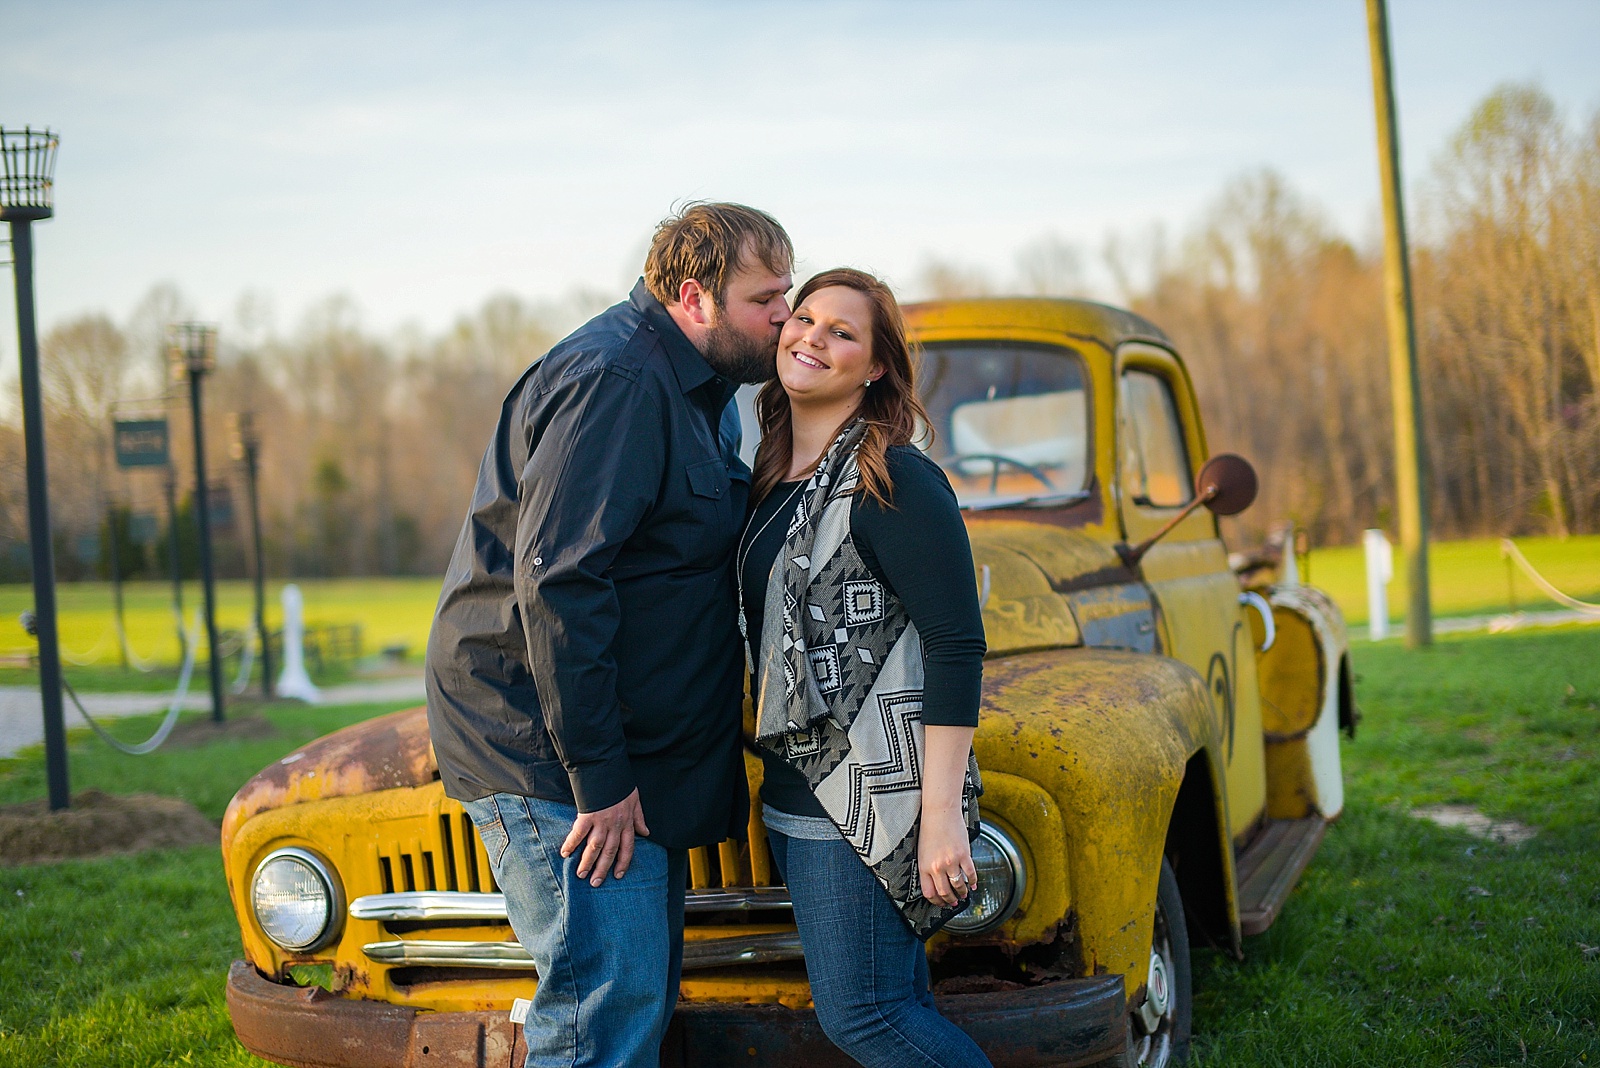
(584,670)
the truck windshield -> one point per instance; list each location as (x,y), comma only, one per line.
(1009,421)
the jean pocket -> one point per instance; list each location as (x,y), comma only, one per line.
(491,830)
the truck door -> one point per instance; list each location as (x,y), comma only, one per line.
(1160,447)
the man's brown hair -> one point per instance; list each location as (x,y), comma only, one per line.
(706,241)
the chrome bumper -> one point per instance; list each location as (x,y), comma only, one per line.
(441,905)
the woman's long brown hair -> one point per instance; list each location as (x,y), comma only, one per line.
(890,406)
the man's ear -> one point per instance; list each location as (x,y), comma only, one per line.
(696,303)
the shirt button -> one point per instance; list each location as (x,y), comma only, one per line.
(538,560)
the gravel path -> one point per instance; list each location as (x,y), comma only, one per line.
(1499,624)
(22,717)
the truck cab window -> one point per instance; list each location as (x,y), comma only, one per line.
(1155,464)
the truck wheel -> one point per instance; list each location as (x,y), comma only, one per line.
(1158,1030)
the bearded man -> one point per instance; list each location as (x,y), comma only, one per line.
(584,671)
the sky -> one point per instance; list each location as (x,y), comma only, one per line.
(420,158)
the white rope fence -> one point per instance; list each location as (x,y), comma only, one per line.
(247,659)
(154,741)
(93,655)
(1509,549)
(135,661)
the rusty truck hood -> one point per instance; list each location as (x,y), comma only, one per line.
(1030,574)
(378,754)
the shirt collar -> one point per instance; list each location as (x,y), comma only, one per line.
(690,367)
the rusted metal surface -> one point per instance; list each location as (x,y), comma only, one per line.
(1069,1023)
(1077,1022)
(1107,735)
(309,1027)
(378,754)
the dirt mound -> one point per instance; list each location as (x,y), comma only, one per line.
(99,824)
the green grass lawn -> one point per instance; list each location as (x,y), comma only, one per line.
(1467,577)
(1406,944)
(1410,944)
(390,611)
(121,961)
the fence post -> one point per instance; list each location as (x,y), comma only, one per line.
(294,682)
(1380,569)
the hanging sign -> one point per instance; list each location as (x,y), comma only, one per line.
(141,442)
(220,503)
(143,528)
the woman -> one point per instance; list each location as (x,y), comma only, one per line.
(862,621)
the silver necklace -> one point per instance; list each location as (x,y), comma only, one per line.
(742,556)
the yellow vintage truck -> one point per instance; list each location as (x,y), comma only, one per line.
(1159,747)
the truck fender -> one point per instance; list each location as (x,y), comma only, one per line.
(1110,736)
(1304,680)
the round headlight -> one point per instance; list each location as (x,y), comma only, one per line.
(1001,880)
(296,899)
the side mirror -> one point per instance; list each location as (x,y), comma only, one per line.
(1227,485)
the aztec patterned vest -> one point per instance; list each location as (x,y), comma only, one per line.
(840,688)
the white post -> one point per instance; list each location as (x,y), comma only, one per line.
(294,682)
(1380,569)
(1289,571)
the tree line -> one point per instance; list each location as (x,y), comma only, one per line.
(1280,320)
(370,444)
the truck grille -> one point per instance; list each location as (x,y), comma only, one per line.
(436,885)
(454,859)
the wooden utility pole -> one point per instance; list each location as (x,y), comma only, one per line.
(1410,452)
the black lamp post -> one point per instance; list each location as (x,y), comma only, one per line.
(27,187)
(247,450)
(174,557)
(194,352)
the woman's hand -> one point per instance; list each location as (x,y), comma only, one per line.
(944,856)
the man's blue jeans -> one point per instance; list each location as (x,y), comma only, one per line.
(868,972)
(608,958)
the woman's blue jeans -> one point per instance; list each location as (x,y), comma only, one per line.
(868,972)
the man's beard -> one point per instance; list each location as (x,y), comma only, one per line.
(739,357)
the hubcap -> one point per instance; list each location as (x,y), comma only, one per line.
(1154,1046)
(1157,994)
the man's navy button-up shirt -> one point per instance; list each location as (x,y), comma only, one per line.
(586,639)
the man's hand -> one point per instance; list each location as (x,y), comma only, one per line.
(610,832)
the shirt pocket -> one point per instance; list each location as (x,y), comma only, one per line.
(708,479)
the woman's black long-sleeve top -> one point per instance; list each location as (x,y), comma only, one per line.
(919,549)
